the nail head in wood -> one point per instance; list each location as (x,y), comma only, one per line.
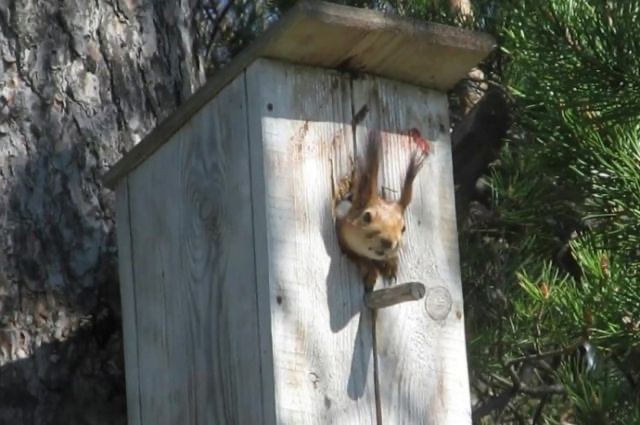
(381,298)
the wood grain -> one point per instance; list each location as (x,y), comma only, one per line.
(155,269)
(195,273)
(320,329)
(334,36)
(397,294)
(128,302)
(420,345)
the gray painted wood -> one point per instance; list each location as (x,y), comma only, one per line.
(320,329)
(154,219)
(195,275)
(420,345)
(334,36)
(128,302)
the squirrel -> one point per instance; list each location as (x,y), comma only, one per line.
(370,227)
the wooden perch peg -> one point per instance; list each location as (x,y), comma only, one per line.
(410,291)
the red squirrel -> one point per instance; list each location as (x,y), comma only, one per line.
(370,227)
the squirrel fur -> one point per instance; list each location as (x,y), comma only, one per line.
(370,227)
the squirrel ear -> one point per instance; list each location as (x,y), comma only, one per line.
(412,171)
(366,185)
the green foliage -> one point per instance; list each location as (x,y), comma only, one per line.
(562,249)
(599,395)
(593,45)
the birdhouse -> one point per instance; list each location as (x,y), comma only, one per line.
(238,305)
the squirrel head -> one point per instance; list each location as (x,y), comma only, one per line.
(368,224)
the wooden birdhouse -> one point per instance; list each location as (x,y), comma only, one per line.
(238,305)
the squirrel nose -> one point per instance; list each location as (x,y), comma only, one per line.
(386,243)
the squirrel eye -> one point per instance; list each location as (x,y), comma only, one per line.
(366,217)
(404,228)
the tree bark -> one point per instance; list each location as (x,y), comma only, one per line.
(82,82)
(477,139)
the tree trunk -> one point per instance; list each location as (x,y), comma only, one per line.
(81,83)
(462,6)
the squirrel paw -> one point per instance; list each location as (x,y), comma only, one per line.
(389,269)
(370,274)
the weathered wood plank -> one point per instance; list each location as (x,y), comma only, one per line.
(128,302)
(394,295)
(195,271)
(329,36)
(262,257)
(426,54)
(320,330)
(155,270)
(420,345)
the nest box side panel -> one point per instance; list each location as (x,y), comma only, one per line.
(194,273)
(127,301)
(302,144)
(421,348)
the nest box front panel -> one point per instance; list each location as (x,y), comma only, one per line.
(307,129)
(420,345)
(322,353)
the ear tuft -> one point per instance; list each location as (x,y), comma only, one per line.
(415,164)
(366,188)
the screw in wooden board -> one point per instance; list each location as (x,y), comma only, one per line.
(438,302)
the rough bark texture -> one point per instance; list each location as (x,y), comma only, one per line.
(81,82)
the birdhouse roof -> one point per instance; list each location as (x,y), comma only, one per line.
(338,37)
